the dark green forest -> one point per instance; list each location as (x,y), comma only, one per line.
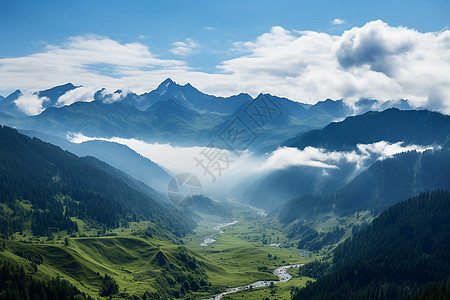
(404,253)
(59,185)
(16,284)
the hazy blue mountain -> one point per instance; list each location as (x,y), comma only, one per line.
(267,121)
(54,93)
(92,119)
(166,121)
(383,184)
(365,105)
(413,127)
(204,205)
(127,160)
(389,181)
(278,187)
(163,111)
(117,155)
(330,108)
(8,106)
(131,181)
(182,115)
(190,96)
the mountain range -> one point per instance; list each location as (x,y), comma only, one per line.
(180,114)
(375,183)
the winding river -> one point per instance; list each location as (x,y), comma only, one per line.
(209,239)
(281,272)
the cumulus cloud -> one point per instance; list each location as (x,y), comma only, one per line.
(31,104)
(376,45)
(338,21)
(81,93)
(374,61)
(188,47)
(89,60)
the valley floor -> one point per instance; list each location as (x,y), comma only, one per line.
(241,255)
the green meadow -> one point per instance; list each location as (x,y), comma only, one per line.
(244,253)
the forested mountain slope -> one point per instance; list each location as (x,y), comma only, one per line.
(403,250)
(49,186)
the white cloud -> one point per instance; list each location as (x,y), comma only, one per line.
(113,97)
(317,157)
(310,156)
(31,104)
(338,21)
(188,47)
(181,159)
(87,60)
(209,28)
(81,93)
(374,61)
(250,165)
(385,150)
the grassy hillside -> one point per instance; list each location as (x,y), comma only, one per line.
(138,265)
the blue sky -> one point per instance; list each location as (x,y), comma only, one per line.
(28,25)
(194,40)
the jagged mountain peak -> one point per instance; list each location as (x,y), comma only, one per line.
(55,92)
(14,95)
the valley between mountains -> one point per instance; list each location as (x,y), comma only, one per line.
(177,194)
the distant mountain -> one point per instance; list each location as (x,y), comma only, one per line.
(116,155)
(280,186)
(190,96)
(165,113)
(365,105)
(204,205)
(8,106)
(60,185)
(389,181)
(91,118)
(54,93)
(181,114)
(383,184)
(397,256)
(127,160)
(267,120)
(333,108)
(168,121)
(392,125)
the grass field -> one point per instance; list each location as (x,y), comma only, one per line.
(241,252)
(238,257)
